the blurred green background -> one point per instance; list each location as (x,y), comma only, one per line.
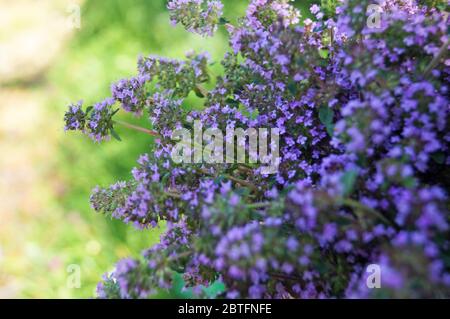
(46,175)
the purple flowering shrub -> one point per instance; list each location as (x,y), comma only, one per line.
(363,115)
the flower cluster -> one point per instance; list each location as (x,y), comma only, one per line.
(363,115)
(264,14)
(75,118)
(131,94)
(160,87)
(96,121)
(175,77)
(198,16)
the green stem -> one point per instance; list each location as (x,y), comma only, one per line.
(285,277)
(182,255)
(245,169)
(358,206)
(173,195)
(136,128)
(258,205)
(241,182)
(200,89)
(437,58)
(233,179)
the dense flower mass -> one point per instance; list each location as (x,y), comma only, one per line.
(363,113)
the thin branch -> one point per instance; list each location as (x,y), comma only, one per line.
(436,59)
(245,169)
(259,205)
(358,206)
(200,89)
(173,195)
(136,128)
(233,179)
(182,255)
(286,277)
(241,182)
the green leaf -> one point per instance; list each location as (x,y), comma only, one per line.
(348,181)
(292,87)
(223,21)
(219,179)
(319,28)
(165,178)
(323,53)
(88,109)
(257,79)
(232,102)
(215,289)
(198,92)
(115,135)
(438,157)
(300,62)
(254,114)
(179,289)
(410,182)
(326,116)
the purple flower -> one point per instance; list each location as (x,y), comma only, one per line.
(75,118)
(100,121)
(131,94)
